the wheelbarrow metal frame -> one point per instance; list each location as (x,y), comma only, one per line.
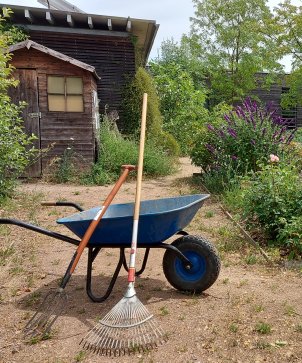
(93,250)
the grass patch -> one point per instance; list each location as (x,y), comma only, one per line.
(5,253)
(33,299)
(209,214)
(164,311)
(263,328)
(233,328)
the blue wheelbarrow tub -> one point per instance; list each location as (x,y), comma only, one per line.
(159,219)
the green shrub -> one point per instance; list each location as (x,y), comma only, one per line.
(271,199)
(116,150)
(131,111)
(298,136)
(181,104)
(245,137)
(15,146)
(132,101)
(290,236)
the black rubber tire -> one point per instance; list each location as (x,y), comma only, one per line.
(182,279)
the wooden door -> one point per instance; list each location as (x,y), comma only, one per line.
(27,91)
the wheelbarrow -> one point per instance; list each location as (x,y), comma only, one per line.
(190,263)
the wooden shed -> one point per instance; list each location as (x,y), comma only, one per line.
(61,97)
(68,49)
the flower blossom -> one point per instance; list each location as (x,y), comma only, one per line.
(273,158)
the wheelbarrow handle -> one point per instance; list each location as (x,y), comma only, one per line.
(94,223)
(62,204)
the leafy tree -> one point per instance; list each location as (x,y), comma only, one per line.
(181,104)
(288,25)
(235,42)
(185,56)
(15,148)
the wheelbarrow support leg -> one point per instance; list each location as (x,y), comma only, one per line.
(92,253)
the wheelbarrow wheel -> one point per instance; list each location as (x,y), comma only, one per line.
(205,264)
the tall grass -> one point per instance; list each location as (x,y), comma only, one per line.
(116,150)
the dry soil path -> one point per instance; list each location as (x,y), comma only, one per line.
(251,314)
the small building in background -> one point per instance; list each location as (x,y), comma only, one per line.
(74,66)
(61,97)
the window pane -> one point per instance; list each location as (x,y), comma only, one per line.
(74,104)
(74,85)
(55,85)
(56,103)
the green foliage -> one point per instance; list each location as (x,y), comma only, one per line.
(290,236)
(116,150)
(298,136)
(234,146)
(272,199)
(133,94)
(11,33)
(181,104)
(234,39)
(140,84)
(65,169)
(289,38)
(15,145)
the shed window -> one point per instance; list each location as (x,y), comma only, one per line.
(65,94)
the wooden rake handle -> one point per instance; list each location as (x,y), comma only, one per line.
(131,272)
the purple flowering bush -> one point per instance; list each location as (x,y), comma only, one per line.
(243,139)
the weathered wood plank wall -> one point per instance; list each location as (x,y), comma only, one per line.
(112,57)
(62,129)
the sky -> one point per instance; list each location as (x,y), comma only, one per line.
(172,16)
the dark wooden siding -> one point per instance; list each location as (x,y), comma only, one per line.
(273,96)
(112,57)
(61,129)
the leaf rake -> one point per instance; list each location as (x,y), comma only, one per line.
(129,327)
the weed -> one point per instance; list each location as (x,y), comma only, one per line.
(251,259)
(30,280)
(260,344)
(263,328)
(33,299)
(36,339)
(182,349)
(76,192)
(181,317)
(14,291)
(16,270)
(281,343)
(243,283)
(80,356)
(225,281)
(233,328)
(81,311)
(298,328)
(289,310)
(258,308)
(5,253)
(164,311)
(209,214)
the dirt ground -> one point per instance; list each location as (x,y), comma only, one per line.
(253,313)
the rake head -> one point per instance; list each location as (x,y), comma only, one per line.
(41,322)
(126,329)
